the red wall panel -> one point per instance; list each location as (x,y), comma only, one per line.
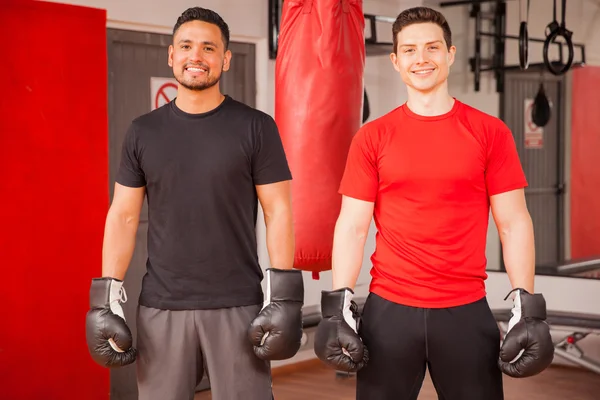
(54,196)
(585,163)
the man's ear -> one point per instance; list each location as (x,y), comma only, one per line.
(394,59)
(451,55)
(170,58)
(227,60)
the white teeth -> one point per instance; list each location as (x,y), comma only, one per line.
(196,69)
(423,72)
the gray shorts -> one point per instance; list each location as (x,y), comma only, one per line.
(177,347)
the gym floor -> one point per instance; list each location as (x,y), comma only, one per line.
(315,381)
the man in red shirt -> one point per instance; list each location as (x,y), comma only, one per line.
(428,172)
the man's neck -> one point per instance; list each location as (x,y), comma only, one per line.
(428,104)
(198,101)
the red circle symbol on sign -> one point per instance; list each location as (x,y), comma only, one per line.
(161,94)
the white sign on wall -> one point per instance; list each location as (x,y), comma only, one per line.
(162,91)
(534,135)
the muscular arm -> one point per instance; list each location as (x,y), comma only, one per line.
(349,239)
(120,230)
(276,201)
(516,235)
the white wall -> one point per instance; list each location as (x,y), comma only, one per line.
(245,18)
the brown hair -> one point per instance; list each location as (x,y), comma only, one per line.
(204,15)
(417,15)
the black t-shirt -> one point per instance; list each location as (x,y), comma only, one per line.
(200,172)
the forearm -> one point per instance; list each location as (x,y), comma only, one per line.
(348,251)
(119,244)
(280,239)
(519,252)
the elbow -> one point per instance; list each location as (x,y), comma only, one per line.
(131,220)
(351,228)
(278,213)
(123,218)
(278,219)
(517,225)
(503,230)
(361,232)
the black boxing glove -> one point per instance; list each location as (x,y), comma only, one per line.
(276,332)
(337,342)
(108,337)
(527,348)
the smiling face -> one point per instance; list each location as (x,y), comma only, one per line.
(423,58)
(198,55)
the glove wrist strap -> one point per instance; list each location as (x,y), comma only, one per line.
(108,293)
(531,305)
(284,285)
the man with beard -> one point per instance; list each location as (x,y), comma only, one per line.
(204,160)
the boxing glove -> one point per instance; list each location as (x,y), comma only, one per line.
(337,342)
(108,337)
(527,348)
(276,332)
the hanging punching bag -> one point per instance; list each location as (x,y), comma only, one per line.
(318,108)
(541,112)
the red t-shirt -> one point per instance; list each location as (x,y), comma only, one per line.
(430,179)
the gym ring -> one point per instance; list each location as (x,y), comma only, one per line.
(555,31)
(523,46)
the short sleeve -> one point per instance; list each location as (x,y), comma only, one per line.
(361,176)
(130,171)
(269,161)
(503,170)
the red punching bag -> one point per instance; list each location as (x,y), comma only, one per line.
(318,108)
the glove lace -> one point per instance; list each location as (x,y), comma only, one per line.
(122,296)
(355,314)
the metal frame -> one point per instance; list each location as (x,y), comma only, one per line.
(496,64)
(373,46)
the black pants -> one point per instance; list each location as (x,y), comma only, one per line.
(459,346)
